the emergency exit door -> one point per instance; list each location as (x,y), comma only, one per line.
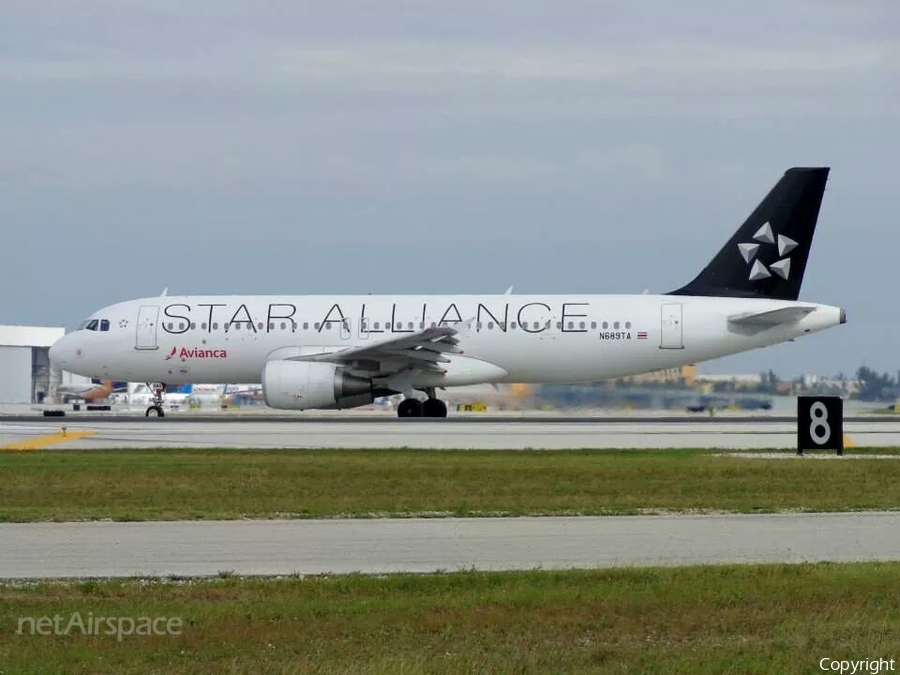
(672,333)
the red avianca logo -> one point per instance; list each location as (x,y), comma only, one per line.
(195,353)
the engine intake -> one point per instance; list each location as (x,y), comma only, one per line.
(304,385)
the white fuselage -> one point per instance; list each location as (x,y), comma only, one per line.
(504,338)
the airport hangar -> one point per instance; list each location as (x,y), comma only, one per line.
(25,372)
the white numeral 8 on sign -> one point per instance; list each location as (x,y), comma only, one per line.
(819,430)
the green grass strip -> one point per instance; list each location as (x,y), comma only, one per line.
(736,619)
(226,484)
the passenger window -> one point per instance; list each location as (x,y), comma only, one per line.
(224,326)
(558,325)
(593,325)
(181,325)
(193,326)
(237,325)
(316,325)
(327,325)
(283,325)
(581,325)
(490,325)
(104,325)
(627,324)
(203,325)
(616,325)
(605,325)
(571,325)
(376,325)
(215,326)
(305,325)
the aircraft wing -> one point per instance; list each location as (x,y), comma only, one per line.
(424,350)
(772,317)
(76,389)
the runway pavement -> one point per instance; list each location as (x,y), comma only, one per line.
(512,433)
(98,549)
(197,548)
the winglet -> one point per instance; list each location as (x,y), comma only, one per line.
(508,291)
(165,292)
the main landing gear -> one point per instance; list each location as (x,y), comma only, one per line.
(413,407)
(156,410)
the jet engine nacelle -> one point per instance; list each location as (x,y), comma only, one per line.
(302,385)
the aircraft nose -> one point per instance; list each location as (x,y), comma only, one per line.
(59,352)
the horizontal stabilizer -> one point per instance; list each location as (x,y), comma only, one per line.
(773,317)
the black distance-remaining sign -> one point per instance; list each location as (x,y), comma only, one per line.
(820,423)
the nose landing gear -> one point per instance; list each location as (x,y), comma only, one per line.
(156,410)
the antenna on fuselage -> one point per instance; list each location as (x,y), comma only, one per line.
(165,292)
(508,291)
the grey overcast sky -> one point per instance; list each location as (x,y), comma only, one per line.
(573,146)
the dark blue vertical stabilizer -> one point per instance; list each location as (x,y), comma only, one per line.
(767,256)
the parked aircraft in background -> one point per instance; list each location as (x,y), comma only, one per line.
(345,351)
(96,390)
(141,394)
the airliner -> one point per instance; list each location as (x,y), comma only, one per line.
(334,352)
(96,390)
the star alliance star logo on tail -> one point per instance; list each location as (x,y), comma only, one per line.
(750,251)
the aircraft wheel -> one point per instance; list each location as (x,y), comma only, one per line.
(409,407)
(154,411)
(434,407)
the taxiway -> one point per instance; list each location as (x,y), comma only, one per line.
(470,432)
(276,547)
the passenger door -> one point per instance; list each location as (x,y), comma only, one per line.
(672,334)
(146,328)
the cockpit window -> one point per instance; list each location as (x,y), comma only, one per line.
(104,324)
(92,324)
